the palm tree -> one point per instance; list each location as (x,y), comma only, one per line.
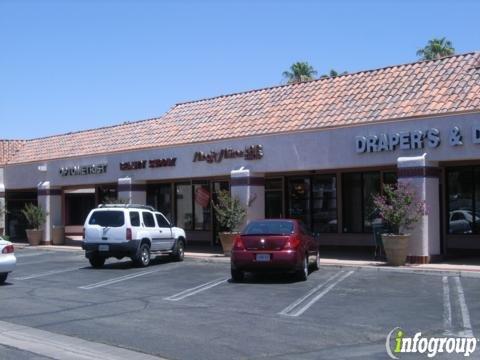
(333,73)
(300,71)
(436,49)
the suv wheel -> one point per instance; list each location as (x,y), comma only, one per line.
(143,257)
(179,253)
(97,261)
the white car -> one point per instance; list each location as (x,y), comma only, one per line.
(134,231)
(463,222)
(7,259)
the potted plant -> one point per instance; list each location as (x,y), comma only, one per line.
(229,214)
(400,210)
(35,217)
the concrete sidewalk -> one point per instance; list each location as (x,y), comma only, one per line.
(469,267)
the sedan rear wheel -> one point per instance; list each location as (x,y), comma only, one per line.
(302,274)
(237,275)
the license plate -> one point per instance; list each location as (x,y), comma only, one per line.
(263,257)
(103,248)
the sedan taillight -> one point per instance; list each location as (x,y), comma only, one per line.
(8,249)
(238,244)
(292,243)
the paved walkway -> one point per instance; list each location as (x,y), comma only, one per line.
(338,257)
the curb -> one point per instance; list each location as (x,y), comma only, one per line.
(409,270)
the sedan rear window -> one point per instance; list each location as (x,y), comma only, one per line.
(107,218)
(268,228)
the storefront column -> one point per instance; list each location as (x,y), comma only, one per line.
(2,204)
(50,200)
(249,188)
(133,192)
(423,176)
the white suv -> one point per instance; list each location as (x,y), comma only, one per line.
(134,231)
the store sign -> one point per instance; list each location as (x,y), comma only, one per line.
(94,169)
(411,140)
(152,164)
(254,152)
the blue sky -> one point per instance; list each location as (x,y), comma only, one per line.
(78,64)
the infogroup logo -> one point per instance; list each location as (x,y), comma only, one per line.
(398,343)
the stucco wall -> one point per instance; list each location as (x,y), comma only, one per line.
(328,149)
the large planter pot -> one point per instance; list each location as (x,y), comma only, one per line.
(396,248)
(227,240)
(34,237)
(58,235)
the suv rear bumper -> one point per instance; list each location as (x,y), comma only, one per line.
(118,250)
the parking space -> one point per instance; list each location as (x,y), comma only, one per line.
(192,310)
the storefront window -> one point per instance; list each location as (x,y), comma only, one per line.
(202,208)
(160,197)
(352,203)
(463,194)
(274,198)
(313,200)
(324,205)
(358,209)
(194,211)
(299,199)
(183,194)
(107,194)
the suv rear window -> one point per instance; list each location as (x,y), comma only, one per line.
(148,219)
(107,218)
(269,228)
(134,218)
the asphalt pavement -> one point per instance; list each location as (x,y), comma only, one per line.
(191,310)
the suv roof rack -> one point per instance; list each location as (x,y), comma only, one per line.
(128,206)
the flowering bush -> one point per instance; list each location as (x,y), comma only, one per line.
(399,207)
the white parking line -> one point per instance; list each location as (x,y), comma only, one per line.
(447,307)
(189,292)
(301,305)
(467,325)
(117,280)
(46,273)
(56,346)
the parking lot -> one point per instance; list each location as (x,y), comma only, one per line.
(191,310)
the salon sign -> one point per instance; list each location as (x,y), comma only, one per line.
(416,139)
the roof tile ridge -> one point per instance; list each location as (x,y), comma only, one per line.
(95,129)
(302,83)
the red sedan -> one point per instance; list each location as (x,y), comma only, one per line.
(274,245)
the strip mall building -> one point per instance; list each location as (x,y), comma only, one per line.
(315,150)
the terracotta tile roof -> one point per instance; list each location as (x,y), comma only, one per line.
(8,149)
(425,88)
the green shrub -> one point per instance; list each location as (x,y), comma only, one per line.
(34,215)
(228,211)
